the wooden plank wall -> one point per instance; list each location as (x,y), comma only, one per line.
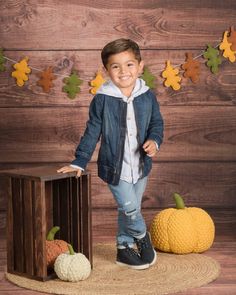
(198,156)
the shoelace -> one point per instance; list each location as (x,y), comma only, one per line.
(142,244)
(131,251)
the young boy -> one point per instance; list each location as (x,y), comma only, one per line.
(126,115)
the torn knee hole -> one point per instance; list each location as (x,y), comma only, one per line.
(132,212)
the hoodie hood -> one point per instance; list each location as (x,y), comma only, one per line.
(109,88)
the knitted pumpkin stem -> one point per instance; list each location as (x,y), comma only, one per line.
(52,232)
(179,201)
(72,252)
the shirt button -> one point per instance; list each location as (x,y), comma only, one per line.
(130,134)
(128,118)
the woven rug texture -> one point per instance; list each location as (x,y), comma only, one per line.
(171,273)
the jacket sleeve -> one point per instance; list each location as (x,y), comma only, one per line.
(88,141)
(156,125)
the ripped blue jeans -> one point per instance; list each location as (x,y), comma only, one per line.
(128,197)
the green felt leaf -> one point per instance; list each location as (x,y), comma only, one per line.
(149,78)
(2,61)
(72,85)
(214,60)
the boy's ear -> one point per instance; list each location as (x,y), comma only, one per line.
(105,72)
(141,67)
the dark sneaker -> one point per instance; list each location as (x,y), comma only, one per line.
(146,251)
(129,257)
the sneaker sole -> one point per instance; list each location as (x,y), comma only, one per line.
(155,254)
(154,259)
(137,267)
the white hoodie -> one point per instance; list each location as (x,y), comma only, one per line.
(131,169)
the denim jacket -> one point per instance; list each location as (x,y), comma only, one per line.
(107,120)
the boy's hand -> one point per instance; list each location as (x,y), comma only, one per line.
(67,169)
(150,148)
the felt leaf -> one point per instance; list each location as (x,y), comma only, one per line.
(97,82)
(72,85)
(191,67)
(171,76)
(213,57)
(232,39)
(225,46)
(149,78)
(46,78)
(2,61)
(21,71)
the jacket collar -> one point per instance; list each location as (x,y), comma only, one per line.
(109,88)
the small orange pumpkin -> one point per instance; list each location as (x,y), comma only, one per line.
(54,247)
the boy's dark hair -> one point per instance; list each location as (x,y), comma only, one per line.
(117,46)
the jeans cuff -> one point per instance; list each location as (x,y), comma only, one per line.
(140,236)
(131,245)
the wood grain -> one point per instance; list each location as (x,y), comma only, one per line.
(105,226)
(201,184)
(210,90)
(52,134)
(104,223)
(154,25)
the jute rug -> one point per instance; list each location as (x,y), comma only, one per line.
(171,274)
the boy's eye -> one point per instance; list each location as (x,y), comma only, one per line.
(114,67)
(130,64)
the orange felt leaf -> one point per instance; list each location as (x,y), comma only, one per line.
(97,82)
(191,67)
(21,71)
(46,78)
(232,39)
(171,76)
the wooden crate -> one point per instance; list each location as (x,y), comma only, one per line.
(39,198)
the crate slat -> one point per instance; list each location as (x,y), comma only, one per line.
(28,227)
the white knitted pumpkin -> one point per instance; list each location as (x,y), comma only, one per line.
(72,267)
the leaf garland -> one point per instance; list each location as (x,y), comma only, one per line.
(191,69)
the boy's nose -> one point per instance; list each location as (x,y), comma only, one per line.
(122,70)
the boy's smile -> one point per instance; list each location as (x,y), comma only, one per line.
(123,69)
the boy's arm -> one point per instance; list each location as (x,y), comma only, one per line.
(156,125)
(89,139)
(91,135)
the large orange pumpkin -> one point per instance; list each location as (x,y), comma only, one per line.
(182,230)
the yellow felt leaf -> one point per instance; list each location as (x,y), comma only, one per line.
(171,76)
(225,46)
(97,82)
(21,71)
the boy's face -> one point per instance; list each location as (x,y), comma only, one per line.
(123,69)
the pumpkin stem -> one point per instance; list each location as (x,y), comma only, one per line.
(52,232)
(179,201)
(72,252)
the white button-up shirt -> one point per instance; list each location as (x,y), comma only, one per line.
(131,169)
